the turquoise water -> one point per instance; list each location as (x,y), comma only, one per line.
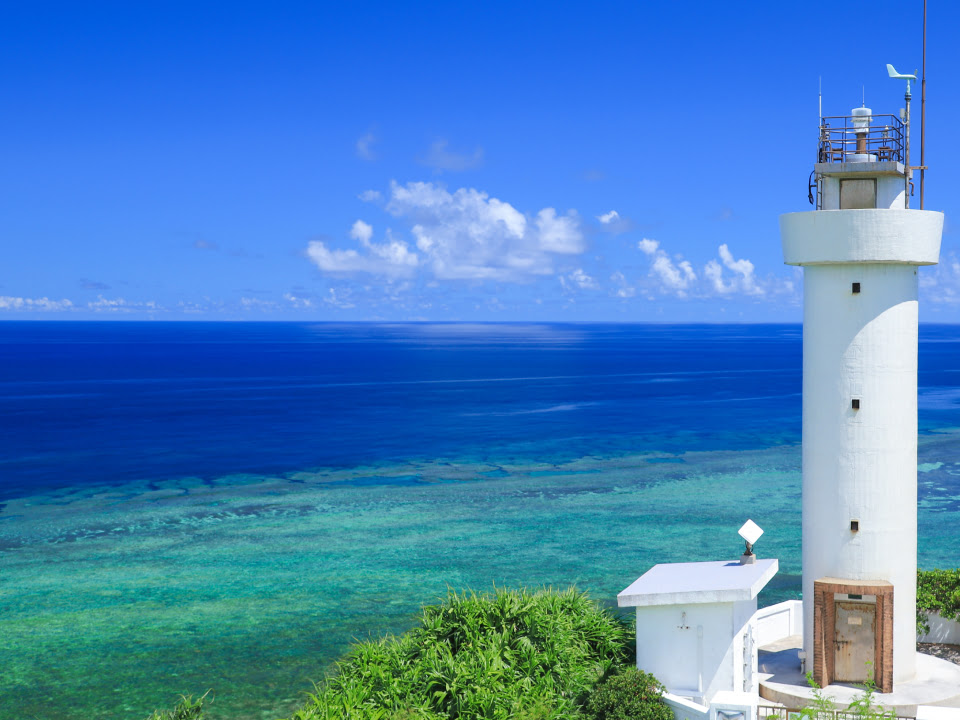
(115,596)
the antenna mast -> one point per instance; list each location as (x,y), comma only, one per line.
(923,104)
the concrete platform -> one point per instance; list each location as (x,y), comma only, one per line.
(937,683)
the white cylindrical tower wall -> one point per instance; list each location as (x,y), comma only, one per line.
(861,464)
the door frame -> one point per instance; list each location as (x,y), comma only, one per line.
(824,628)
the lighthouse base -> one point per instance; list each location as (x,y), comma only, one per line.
(937,683)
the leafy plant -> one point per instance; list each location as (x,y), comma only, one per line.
(186,709)
(822,707)
(937,591)
(630,695)
(509,654)
(860,708)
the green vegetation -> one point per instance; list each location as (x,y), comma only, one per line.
(186,709)
(510,654)
(860,708)
(631,695)
(937,591)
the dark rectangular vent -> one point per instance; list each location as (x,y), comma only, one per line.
(856,288)
(855,404)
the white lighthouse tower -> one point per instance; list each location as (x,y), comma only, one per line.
(860,250)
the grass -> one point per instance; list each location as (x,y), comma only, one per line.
(186,709)
(509,654)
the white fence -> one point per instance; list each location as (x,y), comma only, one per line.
(777,622)
(684,709)
(941,630)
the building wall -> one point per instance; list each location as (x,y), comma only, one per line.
(697,650)
(861,464)
(890,192)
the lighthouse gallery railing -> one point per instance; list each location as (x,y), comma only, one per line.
(839,138)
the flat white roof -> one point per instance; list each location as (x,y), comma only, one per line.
(698,582)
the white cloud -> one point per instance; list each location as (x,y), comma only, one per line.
(43,304)
(120,305)
(250,303)
(624,289)
(460,235)
(941,283)
(392,258)
(743,279)
(371,196)
(675,277)
(364,146)
(725,275)
(609,217)
(648,247)
(362,232)
(334,298)
(299,300)
(579,279)
(560,234)
(714,273)
(469,235)
(440,158)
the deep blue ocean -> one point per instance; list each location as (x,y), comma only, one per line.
(228,505)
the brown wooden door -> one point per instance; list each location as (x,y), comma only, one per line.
(855,640)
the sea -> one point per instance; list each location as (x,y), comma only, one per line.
(188,507)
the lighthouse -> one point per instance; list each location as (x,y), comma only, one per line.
(860,251)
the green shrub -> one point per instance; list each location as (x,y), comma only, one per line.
(631,695)
(506,655)
(186,709)
(860,708)
(937,591)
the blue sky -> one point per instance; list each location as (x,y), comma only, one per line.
(437,161)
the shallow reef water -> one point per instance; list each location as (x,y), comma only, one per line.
(127,583)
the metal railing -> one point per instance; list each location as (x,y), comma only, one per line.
(839,138)
(775,712)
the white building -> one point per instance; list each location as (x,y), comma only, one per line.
(694,629)
(860,250)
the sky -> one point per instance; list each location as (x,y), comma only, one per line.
(439,161)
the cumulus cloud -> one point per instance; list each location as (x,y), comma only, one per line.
(364,146)
(362,232)
(724,275)
(741,280)
(440,158)
(648,247)
(371,196)
(609,217)
(468,235)
(460,235)
(675,277)
(578,279)
(43,304)
(391,258)
(559,234)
